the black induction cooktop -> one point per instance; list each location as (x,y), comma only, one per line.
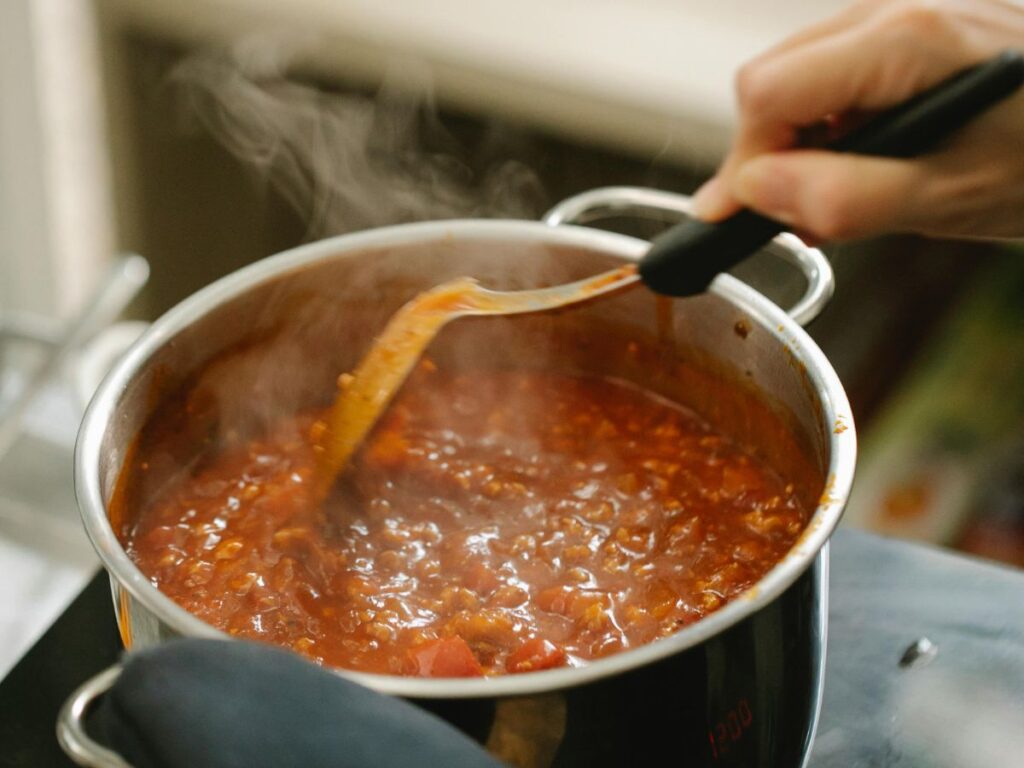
(920,640)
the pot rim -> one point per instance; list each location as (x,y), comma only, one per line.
(835,413)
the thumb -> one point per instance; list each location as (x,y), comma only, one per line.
(831,196)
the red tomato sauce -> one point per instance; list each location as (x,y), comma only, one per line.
(495,522)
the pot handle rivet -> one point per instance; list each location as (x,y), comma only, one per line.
(919,653)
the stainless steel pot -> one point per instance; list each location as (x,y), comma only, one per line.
(313,309)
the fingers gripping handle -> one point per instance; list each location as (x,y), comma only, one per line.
(683,260)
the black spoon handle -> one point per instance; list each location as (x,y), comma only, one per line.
(683,260)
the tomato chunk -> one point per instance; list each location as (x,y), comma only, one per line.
(534,655)
(447,657)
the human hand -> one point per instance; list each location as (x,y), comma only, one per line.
(871,56)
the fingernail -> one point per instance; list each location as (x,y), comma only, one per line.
(709,201)
(764,185)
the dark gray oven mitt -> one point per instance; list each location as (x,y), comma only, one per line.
(218,704)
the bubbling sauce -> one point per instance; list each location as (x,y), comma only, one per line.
(494,522)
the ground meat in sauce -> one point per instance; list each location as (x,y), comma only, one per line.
(495,522)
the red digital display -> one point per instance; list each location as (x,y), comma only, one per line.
(730,729)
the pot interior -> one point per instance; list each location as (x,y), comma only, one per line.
(271,340)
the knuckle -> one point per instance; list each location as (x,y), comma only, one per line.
(921,20)
(832,212)
(958,203)
(833,223)
(751,86)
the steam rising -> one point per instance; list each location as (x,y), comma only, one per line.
(345,161)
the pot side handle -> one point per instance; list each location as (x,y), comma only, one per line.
(670,207)
(71,733)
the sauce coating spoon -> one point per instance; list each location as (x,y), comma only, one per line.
(366,392)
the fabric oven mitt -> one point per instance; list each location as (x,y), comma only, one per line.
(235,704)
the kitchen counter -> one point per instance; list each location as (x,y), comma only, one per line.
(887,706)
(957,701)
